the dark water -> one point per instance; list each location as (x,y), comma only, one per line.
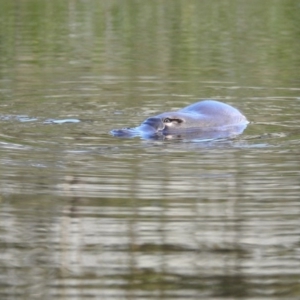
(85,215)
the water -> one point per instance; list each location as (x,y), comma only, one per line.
(86,215)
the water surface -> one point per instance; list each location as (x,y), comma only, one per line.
(86,215)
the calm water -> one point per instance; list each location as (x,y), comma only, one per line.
(84,215)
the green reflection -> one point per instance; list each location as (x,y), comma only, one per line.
(246,42)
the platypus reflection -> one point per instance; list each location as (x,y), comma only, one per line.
(208,119)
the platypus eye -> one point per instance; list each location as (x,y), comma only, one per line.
(169,120)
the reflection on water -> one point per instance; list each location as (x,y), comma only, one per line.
(216,220)
(86,215)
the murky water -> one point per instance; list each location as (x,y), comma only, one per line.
(87,215)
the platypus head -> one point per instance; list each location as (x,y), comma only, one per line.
(153,127)
(166,122)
